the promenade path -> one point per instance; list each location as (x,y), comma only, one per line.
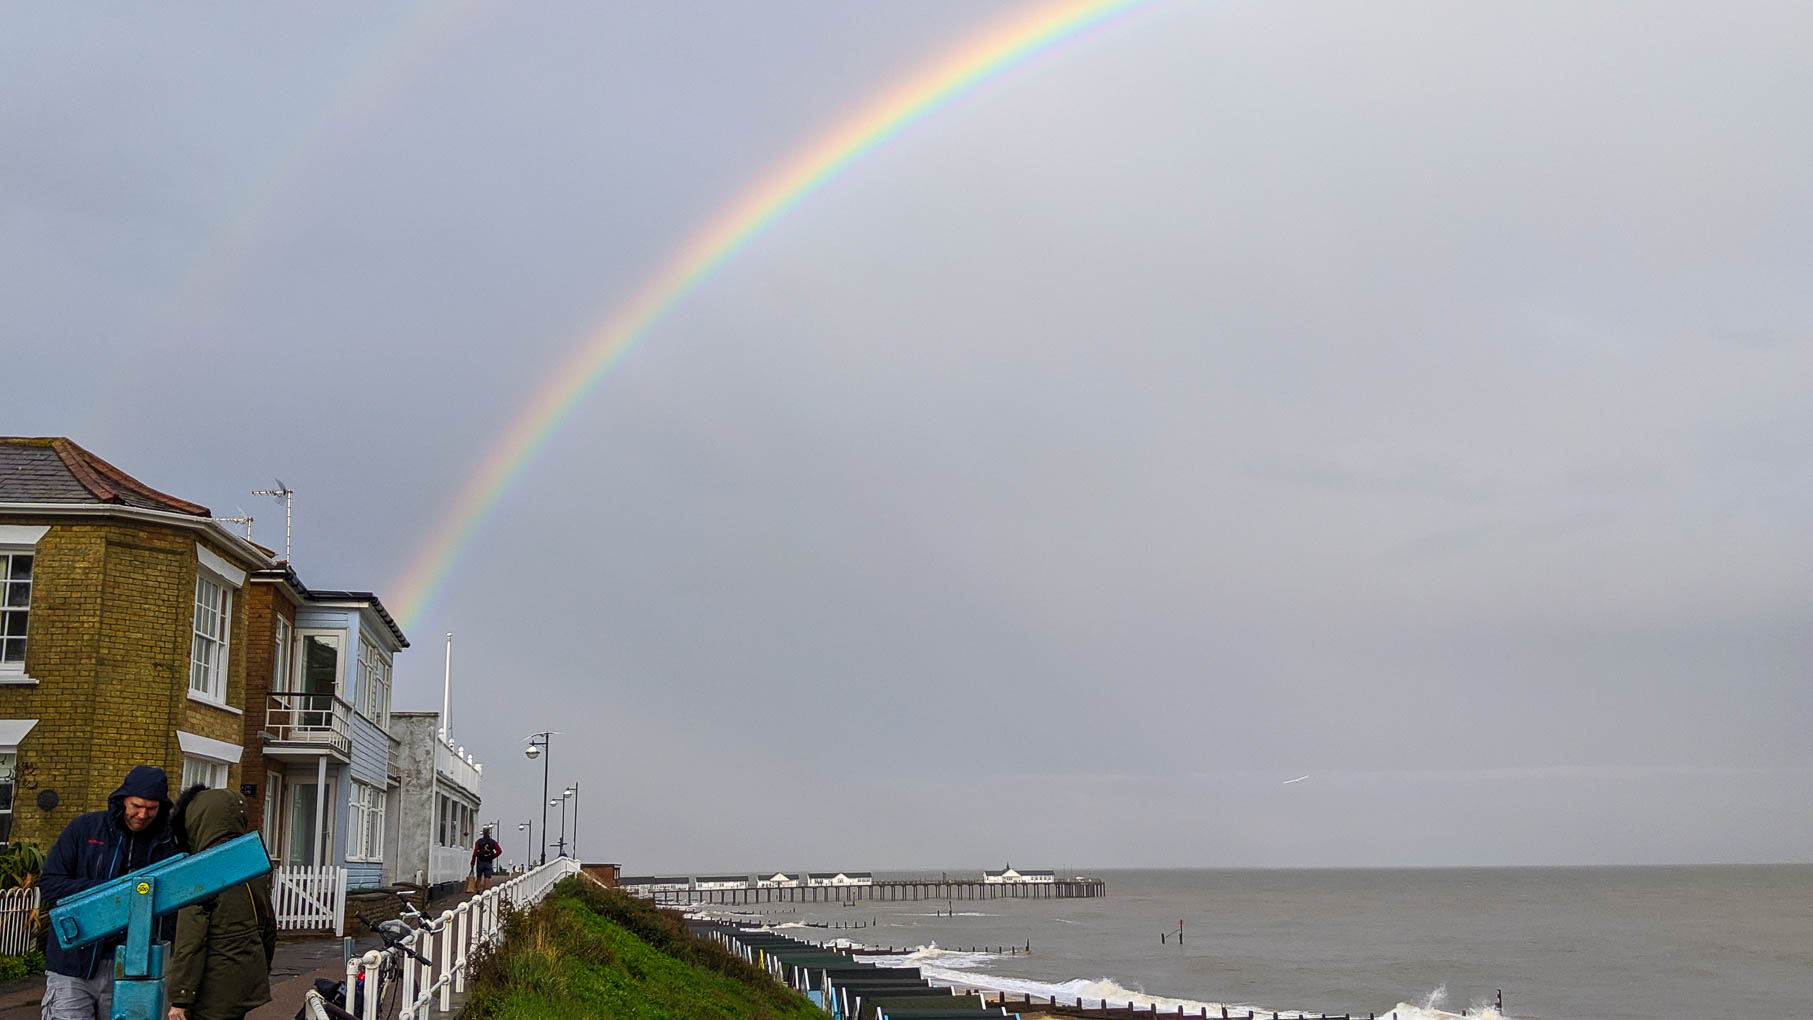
(298,963)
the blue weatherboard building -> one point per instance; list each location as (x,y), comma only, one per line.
(331,764)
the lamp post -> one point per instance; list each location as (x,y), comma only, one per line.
(529,825)
(539,742)
(573,791)
(560,844)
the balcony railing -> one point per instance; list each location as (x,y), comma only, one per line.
(315,720)
(462,772)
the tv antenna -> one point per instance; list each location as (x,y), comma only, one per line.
(281,493)
(243,518)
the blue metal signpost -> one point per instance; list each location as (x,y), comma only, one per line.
(133,902)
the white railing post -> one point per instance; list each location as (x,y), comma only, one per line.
(342,878)
(406,994)
(462,920)
(373,961)
(445,978)
(353,964)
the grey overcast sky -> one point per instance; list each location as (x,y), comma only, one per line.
(1410,395)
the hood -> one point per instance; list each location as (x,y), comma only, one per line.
(210,817)
(149,782)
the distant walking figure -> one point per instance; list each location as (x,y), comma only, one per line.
(1499,1001)
(484,859)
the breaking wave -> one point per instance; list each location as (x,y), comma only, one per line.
(958,969)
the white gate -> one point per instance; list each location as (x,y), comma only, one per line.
(18,909)
(309,898)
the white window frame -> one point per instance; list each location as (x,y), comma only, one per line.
(12,733)
(374,829)
(355,821)
(365,823)
(214,646)
(283,640)
(9,779)
(207,771)
(300,667)
(374,683)
(17,540)
(273,814)
(207,760)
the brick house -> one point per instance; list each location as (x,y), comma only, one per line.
(317,727)
(123,636)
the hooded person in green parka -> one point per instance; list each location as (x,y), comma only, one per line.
(220,966)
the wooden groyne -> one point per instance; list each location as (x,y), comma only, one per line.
(893,891)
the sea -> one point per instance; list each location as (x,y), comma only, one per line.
(1598,943)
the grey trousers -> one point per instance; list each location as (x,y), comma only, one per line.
(69,998)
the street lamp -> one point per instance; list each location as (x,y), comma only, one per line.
(573,791)
(529,825)
(539,742)
(561,843)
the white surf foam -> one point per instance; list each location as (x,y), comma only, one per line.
(959,970)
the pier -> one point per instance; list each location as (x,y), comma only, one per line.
(670,893)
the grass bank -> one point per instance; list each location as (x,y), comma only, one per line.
(587,951)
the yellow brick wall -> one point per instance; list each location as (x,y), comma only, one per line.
(113,607)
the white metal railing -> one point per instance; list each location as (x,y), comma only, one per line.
(293,717)
(477,922)
(18,918)
(464,774)
(309,898)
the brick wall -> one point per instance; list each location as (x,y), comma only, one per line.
(112,613)
(265,602)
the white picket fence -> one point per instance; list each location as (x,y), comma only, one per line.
(17,909)
(475,923)
(309,898)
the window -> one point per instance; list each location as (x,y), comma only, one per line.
(208,647)
(456,822)
(9,762)
(318,676)
(280,655)
(374,683)
(212,774)
(365,824)
(355,823)
(273,788)
(374,832)
(321,663)
(15,608)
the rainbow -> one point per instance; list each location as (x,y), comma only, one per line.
(984,56)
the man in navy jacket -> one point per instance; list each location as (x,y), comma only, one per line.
(134,831)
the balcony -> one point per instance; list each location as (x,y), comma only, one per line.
(305,726)
(457,770)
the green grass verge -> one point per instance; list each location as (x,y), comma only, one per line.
(587,951)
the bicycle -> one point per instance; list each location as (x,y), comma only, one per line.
(328,999)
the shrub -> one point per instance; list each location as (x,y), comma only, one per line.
(12,968)
(20,865)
